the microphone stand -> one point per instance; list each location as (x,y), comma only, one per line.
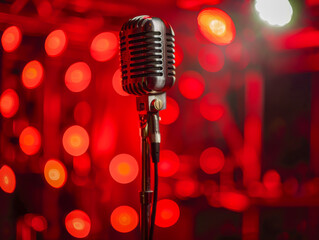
(148,107)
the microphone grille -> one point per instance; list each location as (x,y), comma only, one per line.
(147,56)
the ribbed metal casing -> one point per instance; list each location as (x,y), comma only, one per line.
(147,55)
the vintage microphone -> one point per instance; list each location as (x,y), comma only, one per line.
(148,71)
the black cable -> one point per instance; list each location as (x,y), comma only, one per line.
(155,158)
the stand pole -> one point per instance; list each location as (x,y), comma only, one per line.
(146,192)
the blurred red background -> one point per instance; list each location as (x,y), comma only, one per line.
(240,135)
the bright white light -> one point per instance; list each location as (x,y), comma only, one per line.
(275,12)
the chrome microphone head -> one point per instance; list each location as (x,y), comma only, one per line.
(147,56)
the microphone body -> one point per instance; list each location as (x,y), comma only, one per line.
(147,56)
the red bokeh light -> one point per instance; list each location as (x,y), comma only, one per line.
(39,223)
(195,5)
(104,46)
(75,140)
(168,164)
(216,26)
(211,107)
(191,84)
(30,140)
(124,219)
(55,43)
(78,224)
(82,113)
(167,213)
(186,188)
(123,168)
(11,39)
(211,58)
(82,164)
(170,114)
(179,55)
(117,83)
(271,180)
(9,103)
(234,201)
(7,179)
(55,173)
(78,77)
(212,160)
(32,74)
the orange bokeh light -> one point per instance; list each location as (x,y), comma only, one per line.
(55,43)
(9,103)
(168,164)
(78,224)
(55,173)
(212,160)
(75,140)
(78,77)
(32,74)
(170,114)
(167,213)
(30,140)
(117,83)
(7,179)
(216,26)
(11,39)
(104,46)
(123,168)
(124,219)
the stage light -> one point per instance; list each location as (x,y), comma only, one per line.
(82,113)
(78,224)
(216,26)
(82,164)
(211,107)
(104,46)
(117,83)
(75,140)
(30,140)
(185,188)
(191,84)
(275,12)
(11,39)
(55,173)
(124,219)
(9,103)
(211,58)
(55,43)
(168,164)
(167,213)
(78,77)
(212,160)
(32,74)
(123,168)
(170,114)
(7,179)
